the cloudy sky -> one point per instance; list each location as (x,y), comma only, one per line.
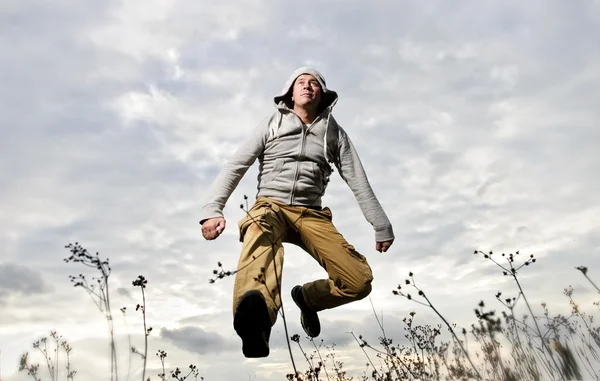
(477,123)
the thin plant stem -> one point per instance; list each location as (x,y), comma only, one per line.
(584,272)
(454,335)
(113,348)
(310,365)
(145,335)
(380,323)
(287,336)
(130,356)
(56,355)
(320,358)
(535,320)
(363,349)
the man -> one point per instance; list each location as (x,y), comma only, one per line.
(295,146)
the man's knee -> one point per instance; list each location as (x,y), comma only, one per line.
(362,291)
(355,290)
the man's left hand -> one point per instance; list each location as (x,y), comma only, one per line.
(382,247)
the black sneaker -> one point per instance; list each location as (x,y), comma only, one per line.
(308,318)
(252,323)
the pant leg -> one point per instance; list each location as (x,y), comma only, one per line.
(261,231)
(349,273)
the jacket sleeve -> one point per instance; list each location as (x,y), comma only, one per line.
(352,171)
(233,171)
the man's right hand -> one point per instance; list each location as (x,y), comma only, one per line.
(213,227)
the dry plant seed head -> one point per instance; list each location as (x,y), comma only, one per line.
(583,269)
(140,281)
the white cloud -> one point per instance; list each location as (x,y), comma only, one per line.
(476,124)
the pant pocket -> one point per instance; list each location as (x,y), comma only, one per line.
(355,254)
(325,213)
(363,264)
(253,215)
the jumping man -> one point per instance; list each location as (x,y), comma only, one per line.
(296,147)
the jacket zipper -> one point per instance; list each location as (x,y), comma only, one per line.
(298,165)
(305,130)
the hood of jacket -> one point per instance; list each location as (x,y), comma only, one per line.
(284,99)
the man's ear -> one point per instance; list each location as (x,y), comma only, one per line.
(290,94)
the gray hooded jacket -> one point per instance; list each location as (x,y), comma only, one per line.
(296,161)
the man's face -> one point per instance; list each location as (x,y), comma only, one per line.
(306,91)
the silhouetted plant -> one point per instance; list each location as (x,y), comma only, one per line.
(98,290)
(141,282)
(505,347)
(52,363)
(459,369)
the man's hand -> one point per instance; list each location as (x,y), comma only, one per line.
(382,247)
(213,227)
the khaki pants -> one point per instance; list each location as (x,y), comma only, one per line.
(263,231)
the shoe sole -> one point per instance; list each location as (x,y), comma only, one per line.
(302,316)
(252,323)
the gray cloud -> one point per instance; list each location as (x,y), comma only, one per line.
(124,292)
(196,340)
(20,280)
